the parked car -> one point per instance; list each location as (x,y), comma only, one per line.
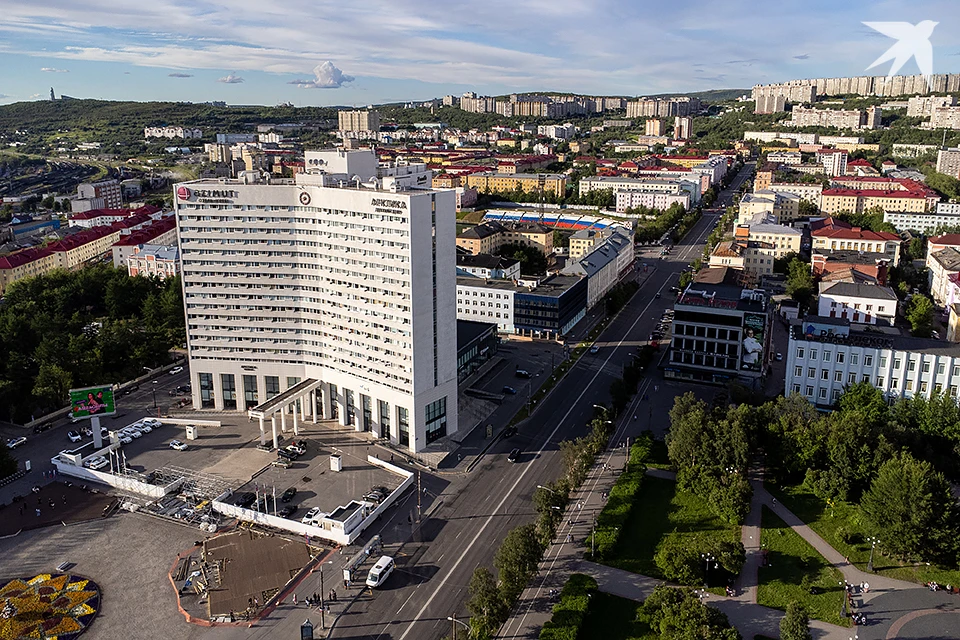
(40,428)
(151,422)
(311,516)
(74,436)
(658,295)
(509,390)
(509,432)
(125,439)
(778,357)
(287,455)
(283,463)
(184,388)
(514,456)
(13,443)
(286,511)
(87,431)
(133,432)
(287,495)
(594,349)
(522,373)
(298,449)
(145,428)
(179,446)
(244,499)
(176,370)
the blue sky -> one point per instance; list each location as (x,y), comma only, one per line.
(319,52)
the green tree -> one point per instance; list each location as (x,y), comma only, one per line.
(800,281)
(911,507)
(485,602)
(516,560)
(795,625)
(916,249)
(920,315)
(808,209)
(52,384)
(678,614)
(532,260)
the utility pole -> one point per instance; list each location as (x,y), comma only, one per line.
(419,494)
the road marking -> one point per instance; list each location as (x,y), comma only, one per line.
(509,494)
(441,557)
(406,601)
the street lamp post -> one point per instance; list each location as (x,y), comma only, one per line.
(843,605)
(322,605)
(708,558)
(154,390)
(455,622)
(873,545)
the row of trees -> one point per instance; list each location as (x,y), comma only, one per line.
(69,329)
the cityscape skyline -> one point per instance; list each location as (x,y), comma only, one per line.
(255,54)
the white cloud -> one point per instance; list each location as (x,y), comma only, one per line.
(54,70)
(230,79)
(326,76)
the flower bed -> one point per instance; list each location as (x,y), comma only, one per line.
(46,606)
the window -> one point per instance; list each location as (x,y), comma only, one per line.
(809,391)
(813,354)
(206,390)
(956,370)
(228,384)
(854,358)
(926,367)
(384,419)
(852,378)
(403,425)
(798,372)
(895,384)
(923,387)
(826,356)
(835,395)
(953,391)
(436,419)
(909,386)
(840,357)
(883,361)
(796,388)
(800,353)
(911,365)
(250,392)
(868,361)
(811,373)
(838,376)
(271,386)
(896,363)
(824,374)
(880,382)
(823,393)
(940,368)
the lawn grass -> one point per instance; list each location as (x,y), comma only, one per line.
(658,456)
(471,216)
(661,510)
(830,521)
(614,618)
(791,558)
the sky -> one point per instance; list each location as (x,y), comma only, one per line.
(322,53)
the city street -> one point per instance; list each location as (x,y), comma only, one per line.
(474,514)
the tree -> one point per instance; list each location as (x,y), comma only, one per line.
(685,278)
(516,560)
(911,506)
(920,316)
(52,384)
(916,249)
(799,281)
(485,602)
(795,625)
(678,614)
(808,209)
(532,260)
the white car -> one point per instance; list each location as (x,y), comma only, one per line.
(134,432)
(179,446)
(151,422)
(176,370)
(74,436)
(13,443)
(125,439)
(311,516)
(96,463)
(145,428)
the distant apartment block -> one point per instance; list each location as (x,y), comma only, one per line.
(629,199)
(490,182)
(834,161)
(172,132)
(682,127)
(864,86)
(923,106)
(792,93)
(105,194)
(945,118)
(785,157)
(150,260)
(654,127)
(358,120)
(236,138)
(769,103)
(662,107)
(948,162)
(838,118)
(162,232)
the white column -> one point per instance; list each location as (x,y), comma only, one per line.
(263,433)
(273,427)
(342,410)
(313,405)
(296,426)
(283,420)
(303,409)
(327,403)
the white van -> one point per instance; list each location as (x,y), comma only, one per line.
(380,571)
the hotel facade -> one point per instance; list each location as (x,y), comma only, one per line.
(345,286)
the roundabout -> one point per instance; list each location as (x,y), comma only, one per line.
(46,606)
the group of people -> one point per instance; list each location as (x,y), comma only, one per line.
(936,586)
(315,600)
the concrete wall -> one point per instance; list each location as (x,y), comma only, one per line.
(120,482)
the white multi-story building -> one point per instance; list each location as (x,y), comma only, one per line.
(923,106)
(615,183)
(325,285)
(150,260)
(172,132)
(811,192)
(947,215)
(940,266)
(650,199)
(948,162)
(785,157)
(858,303)
(834,161)
(603,265)
(827,354)
(490,301)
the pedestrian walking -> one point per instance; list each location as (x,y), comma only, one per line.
(294,599)
(38,513)
(866,587)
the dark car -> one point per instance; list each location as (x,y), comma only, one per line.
(287,455)
(184,388)
(514,456)
(286,511)
(522,373)
(40,428)
(288,494)
(510,390)
(509,432)
(244,499)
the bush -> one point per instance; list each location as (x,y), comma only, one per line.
(622,500)
(568,614)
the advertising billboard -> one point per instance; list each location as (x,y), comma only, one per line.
(751,352)
(92,401)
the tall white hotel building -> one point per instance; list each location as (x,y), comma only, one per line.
(339,278)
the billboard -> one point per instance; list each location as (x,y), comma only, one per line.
(751,353)
(92,401)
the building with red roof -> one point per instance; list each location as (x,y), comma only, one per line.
(835,235)
(161,232)
(25,264)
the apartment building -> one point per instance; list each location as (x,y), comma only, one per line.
(172,132)
(487,266)
(783,207)
(584,240)
(948,162)
(785,157)
(487,237)
(616,183)
(781,239)
(768,103)
(28,263)
(827,354)
(946,215)
(104,194)
(830,234)
(603,265)
(151,260)
(161,232)
(858,302)
(868,85)
(789,92)
(945,118)
(923,106)
(682,127)
(654,127)
(490,300)
(650,199)
(838,118)
(662,107)
(834,161)
(941,265)
(347,291)
(490,182)
(721,330)
(836,200)
(358,120)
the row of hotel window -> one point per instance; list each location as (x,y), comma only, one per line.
(880,382)
(822,392)
(868,361)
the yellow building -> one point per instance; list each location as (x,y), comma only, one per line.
(488,237)
(79,248)
(489,182)
(25,264)
(859,200)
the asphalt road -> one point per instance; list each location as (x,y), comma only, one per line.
(464,525)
